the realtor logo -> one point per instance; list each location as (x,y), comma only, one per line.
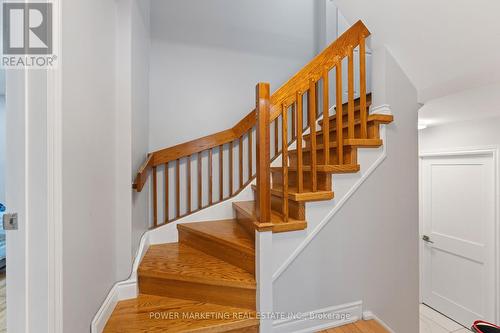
(27,28)
(27,34)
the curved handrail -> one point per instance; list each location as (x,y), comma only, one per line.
(285,95)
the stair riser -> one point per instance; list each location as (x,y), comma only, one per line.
(324,180)
(296,210)
(231,296)
(350,156)
(373,133)
(229,254)
(246,222)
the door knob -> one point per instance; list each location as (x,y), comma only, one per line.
(427,239)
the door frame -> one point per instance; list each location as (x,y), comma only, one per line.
(50,81)
(492,150)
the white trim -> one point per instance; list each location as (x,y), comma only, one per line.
(335,209)
(122,290)
(368,315)
(54,184)
(476,150)
(264,274)
(305,325)
(381,109)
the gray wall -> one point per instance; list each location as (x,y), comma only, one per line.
(207,56)
(88,157)
(369,250)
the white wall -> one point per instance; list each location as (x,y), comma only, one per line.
(2,148)
(463,134)
(207,56)
(369,250)
(132,75)
(89,151)
(140,113)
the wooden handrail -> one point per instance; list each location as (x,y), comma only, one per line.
(326,60)
(287,99)
(286,94)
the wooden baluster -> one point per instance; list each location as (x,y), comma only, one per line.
(250,157)
(263,158)
(362,88)
(284,161)
(240,159)
(311,103)
(188,184)
(350,95)
(300,129)
(294,133)
(178,188)
(166,193)
(221,172)
(200,197)
(276,139)
(231,168)
(210,178)
(339,114)
(155,199)
(326,119)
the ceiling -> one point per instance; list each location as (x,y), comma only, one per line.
(477,103)
(443,46)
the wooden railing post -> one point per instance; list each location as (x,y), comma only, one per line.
(263,158)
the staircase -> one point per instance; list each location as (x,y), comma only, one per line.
(206,282)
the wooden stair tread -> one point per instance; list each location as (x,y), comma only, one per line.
(305,195)
(247,208)
(344,168)
(176,261)
(227,232)
(381,118)
(357,105)
(133,315)
(361,143)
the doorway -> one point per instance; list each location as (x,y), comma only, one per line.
(458,216)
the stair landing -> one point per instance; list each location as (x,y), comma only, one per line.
(150,313)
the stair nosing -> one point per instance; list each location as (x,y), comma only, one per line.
(294,194)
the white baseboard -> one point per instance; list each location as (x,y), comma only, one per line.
(120,291)
(368,315)
(331,317)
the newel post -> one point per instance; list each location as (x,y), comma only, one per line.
(262,108)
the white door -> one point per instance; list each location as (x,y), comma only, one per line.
(15,194)
(458,212)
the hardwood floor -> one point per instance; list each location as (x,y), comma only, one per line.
(362,326)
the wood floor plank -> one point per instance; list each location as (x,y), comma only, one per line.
(362,326)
